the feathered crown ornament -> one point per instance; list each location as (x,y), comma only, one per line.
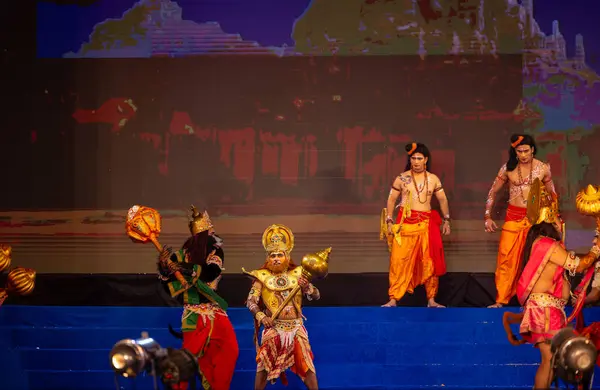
(199,222)
(278,238)
(587,203)
(542,206)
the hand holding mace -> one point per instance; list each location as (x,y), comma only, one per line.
(143,225)
(314,265)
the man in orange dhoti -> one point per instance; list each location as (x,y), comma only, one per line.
(520,171)
(544,288)
(417,254)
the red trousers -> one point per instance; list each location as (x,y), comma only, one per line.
(217,363)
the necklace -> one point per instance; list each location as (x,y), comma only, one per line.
(522,183)
(425,187)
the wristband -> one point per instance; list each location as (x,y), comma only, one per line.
(259,316)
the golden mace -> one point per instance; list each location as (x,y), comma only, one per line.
(314,265)
(143,225)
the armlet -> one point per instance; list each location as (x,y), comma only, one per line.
(501,178)
(546,180)
(254,292)
(438,189)
(394,188)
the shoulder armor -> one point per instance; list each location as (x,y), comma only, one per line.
(297,272)
(259,274)
(279,282)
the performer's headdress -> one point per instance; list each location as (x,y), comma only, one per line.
(413,148)
(518,141)
(199,222)
(542,206)
(278,238)
(587,203)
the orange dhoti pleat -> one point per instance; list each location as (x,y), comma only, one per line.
(510,250)
(411,263)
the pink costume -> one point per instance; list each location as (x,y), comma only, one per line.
(544,313)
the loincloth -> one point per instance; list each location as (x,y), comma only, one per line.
(543,316)
(285,346)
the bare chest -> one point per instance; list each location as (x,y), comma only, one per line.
(422,186)
(524,177)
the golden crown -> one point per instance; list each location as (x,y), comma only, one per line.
(278,238)
(588,201)
(199,222)
(542,206)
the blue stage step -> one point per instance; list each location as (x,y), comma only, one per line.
(355,347)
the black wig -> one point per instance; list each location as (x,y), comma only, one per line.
(543,229)
(200,245)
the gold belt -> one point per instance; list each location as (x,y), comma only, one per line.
(547,300)
(203,309)
(288,325)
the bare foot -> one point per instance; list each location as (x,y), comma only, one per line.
(433,303)
(495,306)
(391,303)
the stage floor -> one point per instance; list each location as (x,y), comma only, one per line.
(51,348)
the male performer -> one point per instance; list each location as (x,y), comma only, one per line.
(417,253)
(544,288)
(520,171)
(207,331)
(284,342)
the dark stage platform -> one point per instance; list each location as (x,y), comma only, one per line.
(459,289)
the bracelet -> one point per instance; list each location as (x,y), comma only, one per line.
(595,250)
(487,217)
(389,220)
(259,316)
(571,263)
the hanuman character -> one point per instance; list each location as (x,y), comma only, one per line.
(207,331)
(544,287)
(417,252)
(284,342)
(520,171)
